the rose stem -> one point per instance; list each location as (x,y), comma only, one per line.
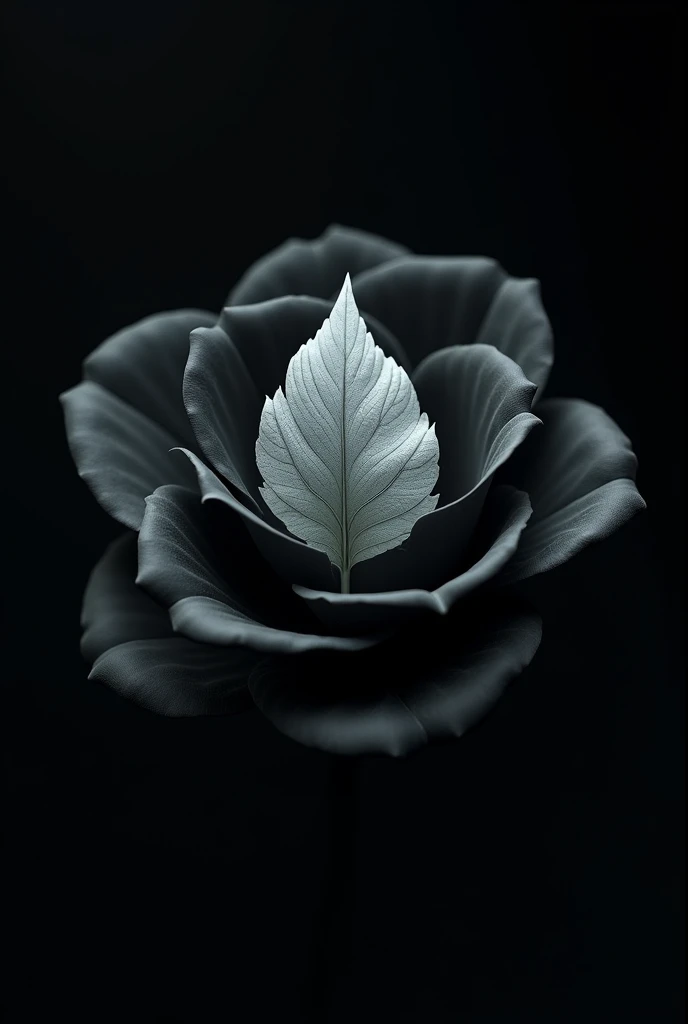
(332,938)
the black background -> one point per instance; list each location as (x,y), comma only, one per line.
(206,870)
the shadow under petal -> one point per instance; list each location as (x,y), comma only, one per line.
(505,516)
(434,680)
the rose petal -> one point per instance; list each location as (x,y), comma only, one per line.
(177,677)
(213,622)
(314,266)
(433,681)
(516,324)
(120,453)
(474,394)
(579,471)
(143,364)
(130,638)
(223,406)
(429,302)
(504,518)
(114,609)
(292,560)
(216,586)
(187,550)
(479,401)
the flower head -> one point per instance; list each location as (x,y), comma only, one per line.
(222,593)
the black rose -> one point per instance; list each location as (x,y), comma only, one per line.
(208,604)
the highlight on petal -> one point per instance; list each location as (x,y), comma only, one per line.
(216,586)
(480,403)
(432,681)
(120,453)
(216,622)
(223,405)
(505,515)
(579,471)
(313,267)
(143,364)
(131,642)
(517,325)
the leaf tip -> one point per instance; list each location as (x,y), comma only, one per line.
(346,291)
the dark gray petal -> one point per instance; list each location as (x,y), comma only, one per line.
(216,586)
(130,638)
(429,302)
(579,471)
(292,560)
(114,609)
(177,677)
(433,680)
(143,364)
(189,550)
(506,513)
(223,406)
(474,394)
(516,324)
(313,267)
(120,453)
(215,622)
(479,401)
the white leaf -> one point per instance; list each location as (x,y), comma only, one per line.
(347,458)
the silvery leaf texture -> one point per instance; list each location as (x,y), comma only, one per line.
(348,459)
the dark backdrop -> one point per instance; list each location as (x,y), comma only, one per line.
(207,870)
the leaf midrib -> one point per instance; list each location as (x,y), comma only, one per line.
(343,464)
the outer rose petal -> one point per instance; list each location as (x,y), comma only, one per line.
(177,677)
(314,267)
(120,453)
(580,473)
(516,324)
(432,681)
(114,610)
(136,654)
(433,301)
(216,586)
(143,364)
(125,416)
